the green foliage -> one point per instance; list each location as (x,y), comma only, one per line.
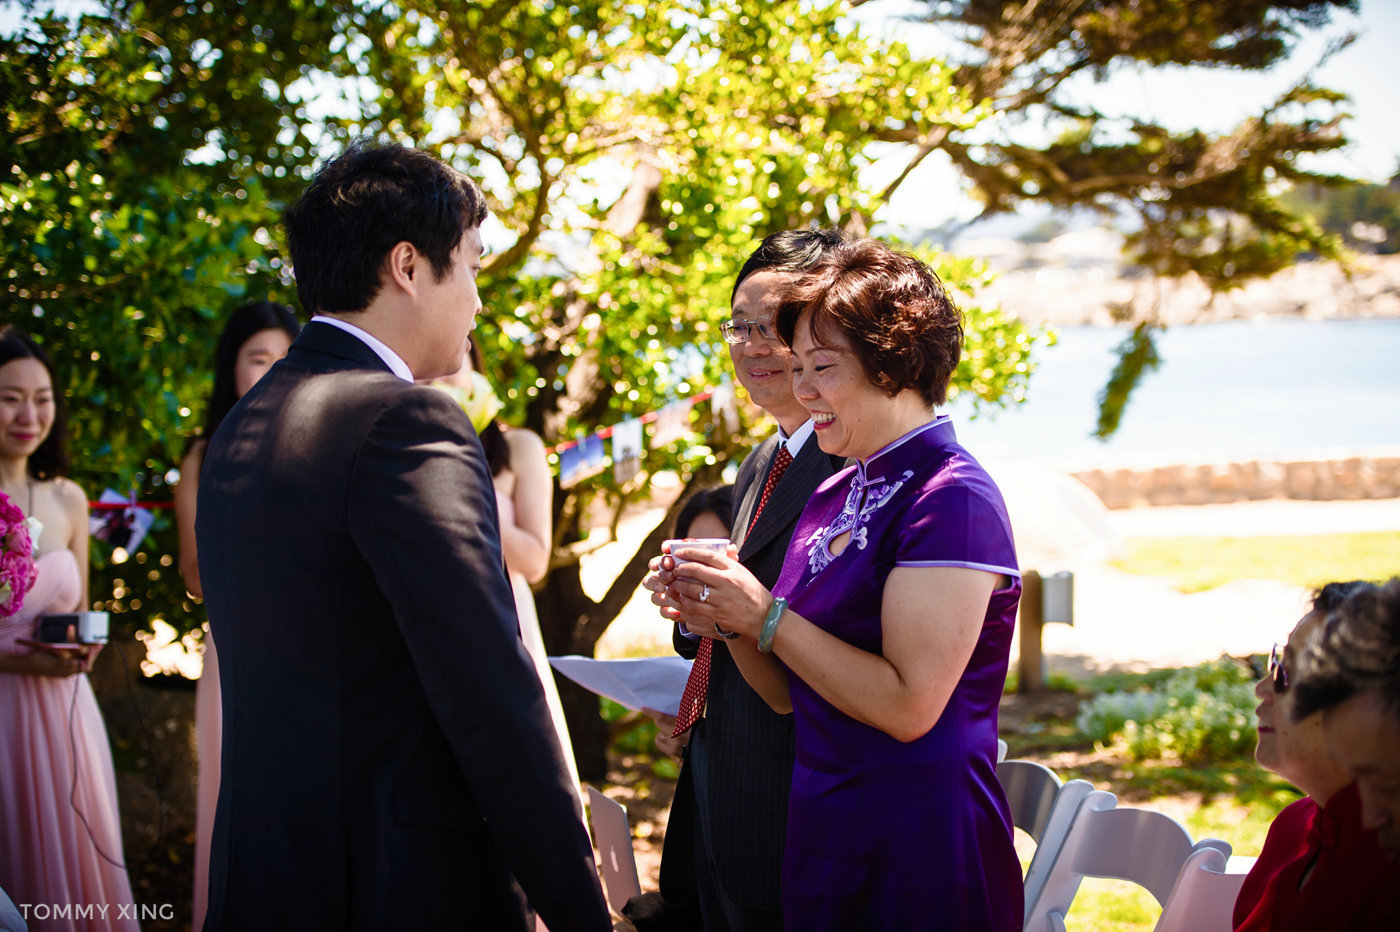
(639,153)
(633,155)
(634,736)
(1200,714)
(121,250)
(1137,355)
(1365,216)
(1204,205)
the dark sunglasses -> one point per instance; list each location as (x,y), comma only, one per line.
(1277,670)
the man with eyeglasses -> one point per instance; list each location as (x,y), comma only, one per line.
(729,815)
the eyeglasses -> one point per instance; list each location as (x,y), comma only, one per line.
(1277,670)
(735,330)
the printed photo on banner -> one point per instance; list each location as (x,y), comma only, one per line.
(586,458)
(627,449)
(672,423)
(724,402)
(120,527)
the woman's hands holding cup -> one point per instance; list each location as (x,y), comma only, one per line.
(707,590)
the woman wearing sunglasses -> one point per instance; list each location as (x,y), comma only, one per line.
(1320,868)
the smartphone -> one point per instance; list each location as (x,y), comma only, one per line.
(70,627)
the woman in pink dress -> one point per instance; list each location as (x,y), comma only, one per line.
(256,336)
(60,837)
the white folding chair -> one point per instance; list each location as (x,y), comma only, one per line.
(613,836)
(1043,808)
(1001,750)
(1203,899)
(1140,845)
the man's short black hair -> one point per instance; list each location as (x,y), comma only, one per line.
(360,205)
(794,251)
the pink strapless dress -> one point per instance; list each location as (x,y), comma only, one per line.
(208,732)
(48,856)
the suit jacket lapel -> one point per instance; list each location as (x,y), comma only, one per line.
(789,497)
(743,517)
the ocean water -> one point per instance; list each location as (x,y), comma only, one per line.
(1236,390)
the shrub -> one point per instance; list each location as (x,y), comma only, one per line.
(1200,714)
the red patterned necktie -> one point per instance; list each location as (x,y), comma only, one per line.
(693,698)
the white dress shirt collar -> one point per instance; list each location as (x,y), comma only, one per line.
(381,349)
(798,438)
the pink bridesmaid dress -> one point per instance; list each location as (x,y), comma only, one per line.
(208,731)
(60,837)
(530,634)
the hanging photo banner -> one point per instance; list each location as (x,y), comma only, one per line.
(627,449)
(578,461)
(724,402)
(587,456)
(595,454)
(570,465)
(120,527)
(672,423)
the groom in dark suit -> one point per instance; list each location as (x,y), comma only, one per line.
(388,758)
(728,819)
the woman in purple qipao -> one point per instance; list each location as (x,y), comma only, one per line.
(889,630)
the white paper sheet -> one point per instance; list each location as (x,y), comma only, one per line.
(636,683)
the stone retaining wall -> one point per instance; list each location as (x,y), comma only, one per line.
(1349,478)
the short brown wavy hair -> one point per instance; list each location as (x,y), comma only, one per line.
(891,307)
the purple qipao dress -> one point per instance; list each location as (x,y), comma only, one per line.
(884,834)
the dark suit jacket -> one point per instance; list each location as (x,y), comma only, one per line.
(750,746)
(388,758)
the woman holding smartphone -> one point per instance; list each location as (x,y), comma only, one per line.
(61,840)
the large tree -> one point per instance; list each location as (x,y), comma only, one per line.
(1197,203)
(633,154)
(144,150)
(639,153)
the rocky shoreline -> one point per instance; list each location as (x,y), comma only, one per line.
(1347,478)
(1070,292)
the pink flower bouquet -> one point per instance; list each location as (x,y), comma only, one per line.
(16,557)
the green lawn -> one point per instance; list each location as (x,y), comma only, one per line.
(1197,563)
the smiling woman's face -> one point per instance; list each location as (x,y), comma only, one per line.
(26,407)
(1296,751)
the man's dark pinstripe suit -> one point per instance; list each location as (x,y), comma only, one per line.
(749,746)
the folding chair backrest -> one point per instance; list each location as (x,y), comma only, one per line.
(1030,790)
(613,836)
(1043,808)
(1141,845)
(1203,899)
